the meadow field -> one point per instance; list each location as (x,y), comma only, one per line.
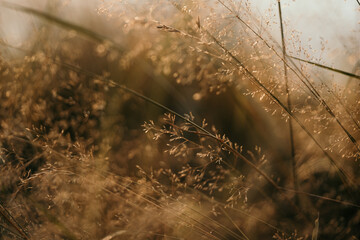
(178,119)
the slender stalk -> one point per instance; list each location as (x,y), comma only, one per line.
(3,227)
(9,218)
(326,67)
(232,221)
(291,131)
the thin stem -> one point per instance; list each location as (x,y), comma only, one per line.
(291,131)
(3,227)
(9,218)
(232,221)
(326,67)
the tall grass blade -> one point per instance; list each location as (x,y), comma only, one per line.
(9,218)
(316,229)
(292,144)
(326,67)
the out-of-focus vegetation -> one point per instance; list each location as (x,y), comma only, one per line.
(173,120)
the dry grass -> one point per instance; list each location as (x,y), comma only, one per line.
(95,143)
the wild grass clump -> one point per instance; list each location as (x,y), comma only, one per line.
(173,120)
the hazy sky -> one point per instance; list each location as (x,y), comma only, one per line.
(333,22)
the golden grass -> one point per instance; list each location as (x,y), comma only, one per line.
(95,143)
